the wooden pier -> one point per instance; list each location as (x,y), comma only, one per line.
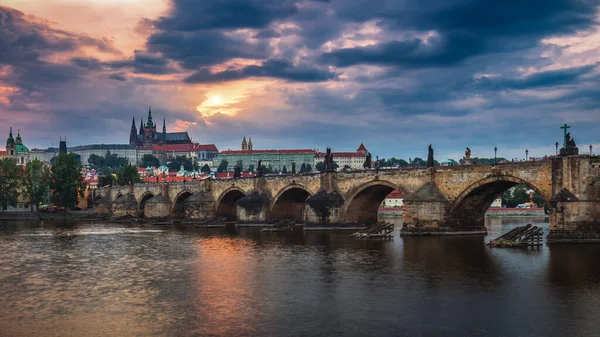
(377,230)
(523,236)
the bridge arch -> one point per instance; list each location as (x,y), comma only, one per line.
(142,203)
(118,195)
(289,202)
(469,208)
(226,203)
(362,203)
(179,203)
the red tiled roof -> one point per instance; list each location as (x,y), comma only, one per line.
(361,148)
(341,154)
(268,151)
(2,152)
(395,194)
(184,147)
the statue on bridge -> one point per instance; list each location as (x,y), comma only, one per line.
(237,171)
(468,154)
(260,171)
(571,146)
(367,163)
(430,156)
(328,162)
(293,167)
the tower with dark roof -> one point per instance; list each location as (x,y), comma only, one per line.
(10,144)
(244,144)
(62,146)
(149,130)
(141,127)
(249,143)
(133,134)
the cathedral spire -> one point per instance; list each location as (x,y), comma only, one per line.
(250,143)
(149,123)
(133,133)
(142,126)
(244,144)
(164,125)
(10,139)
(18,140)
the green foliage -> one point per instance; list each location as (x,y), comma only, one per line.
(175,164)
(284,169)
(515,196)
(205,169)
(150,160)
(114,161)
(251,168)
(67,181)
(222,166)
(106,180)
(303,168)
(36,182)
(127,175)
(9,182)
(320,166)
(240,164)
(96,160)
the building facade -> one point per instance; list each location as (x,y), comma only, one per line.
(276,159)
(354,160)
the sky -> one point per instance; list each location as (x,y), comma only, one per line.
(396,75)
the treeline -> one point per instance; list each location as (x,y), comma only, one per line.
(267,169)
(517,195)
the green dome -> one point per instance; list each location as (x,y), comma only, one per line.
(21,148)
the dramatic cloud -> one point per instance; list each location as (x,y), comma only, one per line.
(396,75)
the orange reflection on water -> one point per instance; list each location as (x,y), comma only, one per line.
(229,282)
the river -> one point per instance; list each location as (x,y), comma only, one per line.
(118,280)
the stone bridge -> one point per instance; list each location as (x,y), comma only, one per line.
(441,199)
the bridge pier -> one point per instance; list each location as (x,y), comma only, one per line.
(200,206)
(253,208)
(125,205)
(157,207)
(575,206)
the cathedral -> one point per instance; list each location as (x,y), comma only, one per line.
(15,149)
(147,135)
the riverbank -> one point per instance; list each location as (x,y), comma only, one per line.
(509,212)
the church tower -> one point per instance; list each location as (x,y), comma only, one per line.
(133,134)
(249,143)
(142,127)
(244,144)
(10,145)
(149,129)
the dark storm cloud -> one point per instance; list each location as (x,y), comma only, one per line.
(142,62)
(445,51)
(193,15)
(550,78)
(204,48)
(464,29)
(25,46)
(275,68)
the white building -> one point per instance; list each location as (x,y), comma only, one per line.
(354,160)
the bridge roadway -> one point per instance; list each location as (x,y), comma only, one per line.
(442,200)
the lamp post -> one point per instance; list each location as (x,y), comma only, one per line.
(556,145)
(526,154)
(495,155)
(590,150)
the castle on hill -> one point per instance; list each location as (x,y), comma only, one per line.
(147,136)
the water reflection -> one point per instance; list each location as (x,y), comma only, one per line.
(99,279)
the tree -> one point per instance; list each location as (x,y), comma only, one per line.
(128,175)
(303,168)
(150,160)
(36,182)
(308,168)
(251,168)
(515,196)
(67,181)
(107,180)
(320,166)
(222,166)
(96,160)
(240,164)
(9,182)
(205,169)
(284,170)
